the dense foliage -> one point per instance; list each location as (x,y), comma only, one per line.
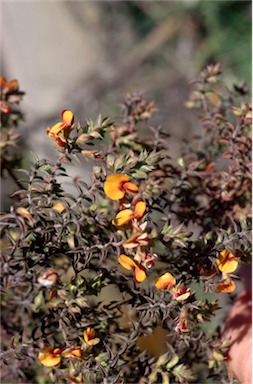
(89,274)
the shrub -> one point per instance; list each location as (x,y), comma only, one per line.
(92,278)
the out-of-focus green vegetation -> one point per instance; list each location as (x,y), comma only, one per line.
(221,29)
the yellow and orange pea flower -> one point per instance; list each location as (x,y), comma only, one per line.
(75,352)
(116,186)
(50,356)
(89,336)
(227,262)
(227,285)
(167,281)
(130,264)
(60,131)
(125,216)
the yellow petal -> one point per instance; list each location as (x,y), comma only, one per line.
(49,359)
(58,127)
(130,187)
(139,209)
(123,218)
(165,281)
(139,275)
(67,117)
(113,186)
(127,262)
(93,341)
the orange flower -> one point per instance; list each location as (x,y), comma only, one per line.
(165,281)
(8,86)
(226,286)
(227,262)
(89,336)
(50,356)
(75,352)
(127,215)
(60,131)
(130,264)
(116,185)
(137,240)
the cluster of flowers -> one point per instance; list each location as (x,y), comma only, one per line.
(119,187)
(116,187)
(51,356)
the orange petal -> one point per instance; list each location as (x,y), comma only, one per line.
(89,334)
(93,341)
(123,217)
(139,275)
(165,281)
(227,262)
(113,186)
(130,187)
(139,209)
(127,262)
(226,286)
(49,359)
(58,127)
(67,117)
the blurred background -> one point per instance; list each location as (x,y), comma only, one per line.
(85,55)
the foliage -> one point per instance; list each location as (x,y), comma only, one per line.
(88,276)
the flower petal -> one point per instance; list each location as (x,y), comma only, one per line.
(165,281)
(226,286)
(123,218)
(139,209)
(67,117)
(49,359)
(227,262)
(139,275)
(93,341)
(58,127)
(130,187)
(113,186)
(127,262)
